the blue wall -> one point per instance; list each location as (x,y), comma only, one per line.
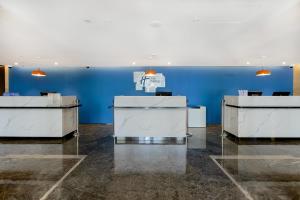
(96,87)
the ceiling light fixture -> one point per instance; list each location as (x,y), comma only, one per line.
(38,73)
(155,24)
(88,21)
(150,72)
(16,63)
(263,72)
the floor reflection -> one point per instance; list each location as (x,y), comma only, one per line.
(197,139)
(160,155)
(262,168)
(207,166)
(40,146)
(29,168)
(149,158)
(264,177)
(235,146)
(31,176)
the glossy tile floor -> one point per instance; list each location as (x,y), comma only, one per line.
(92,166)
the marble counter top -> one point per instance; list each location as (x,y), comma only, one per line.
(37,102)
(263,101)
(41,107)
(150,101)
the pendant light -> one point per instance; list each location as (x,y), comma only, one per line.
(263,72)
(38,72)
(150,72)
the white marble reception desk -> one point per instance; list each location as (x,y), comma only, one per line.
(150,116)
(38,116)
(262,116)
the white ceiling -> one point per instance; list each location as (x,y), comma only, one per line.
(149,32)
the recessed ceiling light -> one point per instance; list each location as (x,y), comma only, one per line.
(153,56)
(107,21)
(155,24)
(221,21)
(196,20)
(283,62)
(55,63)
(169,63)
(88,21)
(133,63)
(248,63)
(15,63)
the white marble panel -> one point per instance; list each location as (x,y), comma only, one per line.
(197,117)
(279,122)
(269,123)
(158,122)
(69,120)
(264,123)
(150,101)
(231,120)
(30,123)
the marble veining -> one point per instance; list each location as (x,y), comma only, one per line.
(31,122)
(150,116)
(262,122)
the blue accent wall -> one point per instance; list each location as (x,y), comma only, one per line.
(96,86)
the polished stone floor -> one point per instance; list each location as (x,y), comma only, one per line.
(92,166)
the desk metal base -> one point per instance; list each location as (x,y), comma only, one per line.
(150,140)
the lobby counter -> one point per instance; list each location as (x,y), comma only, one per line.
(262,116)
(38,116)
(150,116)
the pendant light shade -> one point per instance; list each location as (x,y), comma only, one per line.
(263,72)
(38,72)
(150,72)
